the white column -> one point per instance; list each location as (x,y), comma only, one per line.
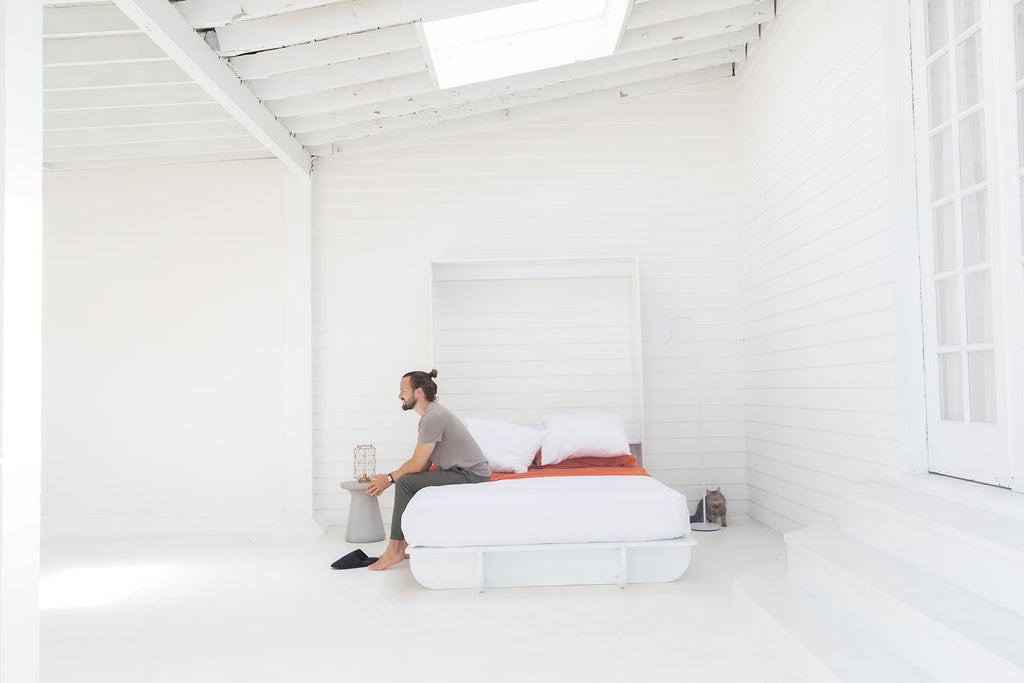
(20,322)
(298,455)
(903,228)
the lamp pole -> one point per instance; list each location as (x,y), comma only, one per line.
(704,524)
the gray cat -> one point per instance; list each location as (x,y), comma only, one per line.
(716,508)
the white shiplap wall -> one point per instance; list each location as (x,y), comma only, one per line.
(654,178)
(816,260)
(524,338)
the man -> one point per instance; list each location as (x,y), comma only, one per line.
(443,441)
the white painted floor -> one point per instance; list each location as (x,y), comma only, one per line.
(252,610)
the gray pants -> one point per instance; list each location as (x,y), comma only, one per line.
(407,485)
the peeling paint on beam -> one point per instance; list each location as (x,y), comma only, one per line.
(624,83)
(698,27)
(561,77)
(550,108)
(338,19)
(323,52)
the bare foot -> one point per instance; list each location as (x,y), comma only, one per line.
(386,560)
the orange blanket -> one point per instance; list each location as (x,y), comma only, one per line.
(617,466)
(623,465)
(571,472)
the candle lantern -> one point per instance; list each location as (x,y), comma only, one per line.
(364,462)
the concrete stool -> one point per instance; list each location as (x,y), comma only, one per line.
(364,522)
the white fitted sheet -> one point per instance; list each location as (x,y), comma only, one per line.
(577,509)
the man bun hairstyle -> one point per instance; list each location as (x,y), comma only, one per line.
(425,381)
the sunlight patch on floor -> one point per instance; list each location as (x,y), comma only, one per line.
(98,586)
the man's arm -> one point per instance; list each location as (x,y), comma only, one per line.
(419,462)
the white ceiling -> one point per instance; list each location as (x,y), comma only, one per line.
(150,81)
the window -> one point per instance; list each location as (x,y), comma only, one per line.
(969,113)
(522,38)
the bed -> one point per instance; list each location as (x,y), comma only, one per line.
(584,514)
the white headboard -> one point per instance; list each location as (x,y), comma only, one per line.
(517,339)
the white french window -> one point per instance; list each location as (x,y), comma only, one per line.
(968,66)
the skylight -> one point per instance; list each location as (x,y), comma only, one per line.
(522,38)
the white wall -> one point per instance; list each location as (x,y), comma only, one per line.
(163,351)
(20,358)
(757,205)
(654,178)
(817,285)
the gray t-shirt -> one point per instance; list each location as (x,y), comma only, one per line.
(455,446)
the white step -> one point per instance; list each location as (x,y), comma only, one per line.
(822,645)
(950,633)
(992,498)
(975,548)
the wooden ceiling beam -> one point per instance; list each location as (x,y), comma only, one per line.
(204,14)
(354,108)
(662,11)
(290,84)
(700,26)
(172,33)
(563,106)
(322,52)
(276,91)
(625,81)
(383,90)
(338,19)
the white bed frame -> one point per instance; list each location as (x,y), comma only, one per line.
(557,564)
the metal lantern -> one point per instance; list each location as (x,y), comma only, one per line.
(364,462)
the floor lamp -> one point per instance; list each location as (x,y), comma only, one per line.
(704,524)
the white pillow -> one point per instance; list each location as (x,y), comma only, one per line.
(577,435)
(508,447)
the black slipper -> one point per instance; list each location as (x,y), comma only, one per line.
(355,559)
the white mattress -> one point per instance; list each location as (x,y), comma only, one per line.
(578,509)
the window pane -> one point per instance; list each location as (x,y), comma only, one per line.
(979,307)
(944,219)
(968,72)
(937,33)
(966,14)
(975,215)
(951,390)
(972,150)
(1018,34)
(948,311)
(938,91)
(942,163)
(982,372)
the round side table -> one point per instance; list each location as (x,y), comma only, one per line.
(364,522)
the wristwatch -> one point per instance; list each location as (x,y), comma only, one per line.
(390,478)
